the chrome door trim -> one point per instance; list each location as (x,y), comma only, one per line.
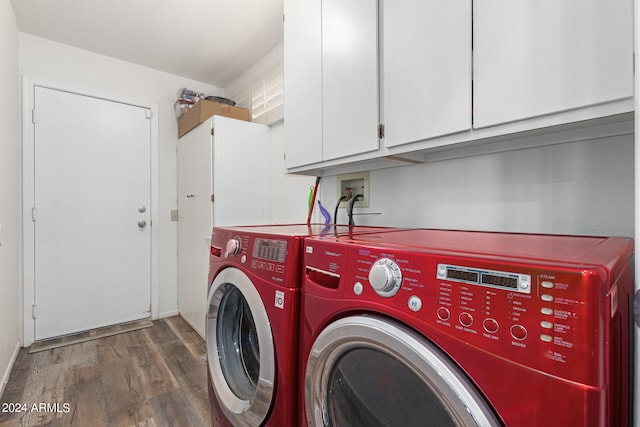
(238,411)
(466,406)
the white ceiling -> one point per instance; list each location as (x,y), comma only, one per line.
(211,41)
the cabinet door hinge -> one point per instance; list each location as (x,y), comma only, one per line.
(213,199)
(381,130)
(33,311)
(34,214)
(148,114)
(33,116)
(212,132)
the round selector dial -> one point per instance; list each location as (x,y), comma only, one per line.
(385,277)
(234,245)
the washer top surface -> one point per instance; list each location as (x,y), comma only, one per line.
(543,247)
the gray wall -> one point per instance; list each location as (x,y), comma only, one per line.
(584,187)
(10,202)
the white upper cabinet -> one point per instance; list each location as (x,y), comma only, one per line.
(537,57)
(447,76)
(349,77)
(426,69)
(331,79)
(302,82)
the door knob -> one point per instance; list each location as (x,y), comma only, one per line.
(142,223)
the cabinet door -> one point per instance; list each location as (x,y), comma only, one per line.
(535,57)
(349,77)
(241,176)
(194,218)
(302,83)
(426,69)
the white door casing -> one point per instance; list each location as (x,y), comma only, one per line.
(85,266)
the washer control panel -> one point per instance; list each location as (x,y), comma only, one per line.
(547,316)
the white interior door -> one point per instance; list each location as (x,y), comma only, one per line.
(92,193)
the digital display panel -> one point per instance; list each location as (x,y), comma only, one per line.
(270,250)
(499,280)
(467,276)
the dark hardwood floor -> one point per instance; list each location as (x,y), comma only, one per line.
(149,377)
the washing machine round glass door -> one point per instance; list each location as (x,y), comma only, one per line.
(366,371)
(240,348)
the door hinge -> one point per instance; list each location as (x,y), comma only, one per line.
(33,116)
(33,311)
(213,199)
(212,132)
(34,214)
(381,130)
(148,114)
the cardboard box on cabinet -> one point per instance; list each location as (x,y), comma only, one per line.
(203,109)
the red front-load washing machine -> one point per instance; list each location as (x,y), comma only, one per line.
(451,328)
(252,328)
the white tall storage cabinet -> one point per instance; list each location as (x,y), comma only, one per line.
(223,179)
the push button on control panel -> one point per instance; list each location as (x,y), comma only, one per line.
(465,319)
(415,303)
(358,288)
(443,313)
(490,325)
(518,332)
(546,338)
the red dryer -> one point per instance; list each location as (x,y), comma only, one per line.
(433,327)
(252,320)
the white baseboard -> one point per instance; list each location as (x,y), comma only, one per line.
(168,314)
(7,372)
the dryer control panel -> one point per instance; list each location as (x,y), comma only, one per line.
(264,256)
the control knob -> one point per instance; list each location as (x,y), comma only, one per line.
(385,277)
(234,245)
